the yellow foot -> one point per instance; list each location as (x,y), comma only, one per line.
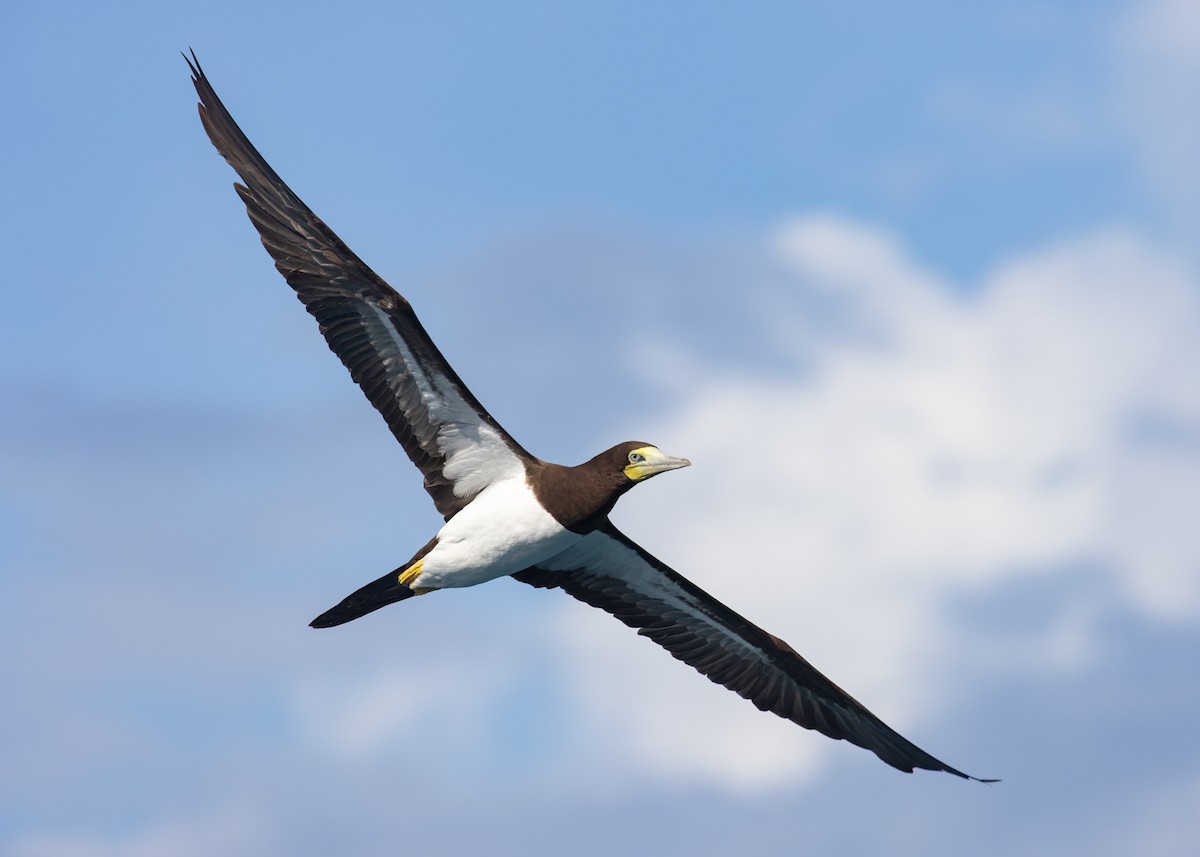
(411,573)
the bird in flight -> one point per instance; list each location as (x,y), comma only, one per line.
(506,511)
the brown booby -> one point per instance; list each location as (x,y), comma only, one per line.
(506,511)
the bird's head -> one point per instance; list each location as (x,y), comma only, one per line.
(639,461)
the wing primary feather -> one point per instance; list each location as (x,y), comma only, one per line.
(369,325)
(608,571)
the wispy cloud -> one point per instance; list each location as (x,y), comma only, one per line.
(234,828)
(1156,63)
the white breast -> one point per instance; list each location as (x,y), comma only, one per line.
(501,531)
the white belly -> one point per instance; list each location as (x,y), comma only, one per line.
(501,531)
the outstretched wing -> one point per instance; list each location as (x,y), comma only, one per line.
(448,435)
(609,571)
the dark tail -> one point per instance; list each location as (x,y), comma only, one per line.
(386,590)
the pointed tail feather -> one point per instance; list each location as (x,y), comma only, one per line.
(386,590)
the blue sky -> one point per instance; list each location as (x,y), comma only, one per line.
(930,268)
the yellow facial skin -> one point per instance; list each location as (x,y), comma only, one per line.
(646,461)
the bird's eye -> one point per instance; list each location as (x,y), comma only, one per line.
(636,458)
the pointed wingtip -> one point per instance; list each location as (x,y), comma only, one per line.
(958,773)
(193,63)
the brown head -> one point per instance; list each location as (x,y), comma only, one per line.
(581,497)
(638,461)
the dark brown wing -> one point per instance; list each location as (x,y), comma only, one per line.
(609,571)
(448,435)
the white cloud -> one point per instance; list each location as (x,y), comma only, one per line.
(355,717)
(938,446)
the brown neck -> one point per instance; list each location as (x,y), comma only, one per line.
(581,497)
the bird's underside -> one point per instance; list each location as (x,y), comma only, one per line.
(466,457)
